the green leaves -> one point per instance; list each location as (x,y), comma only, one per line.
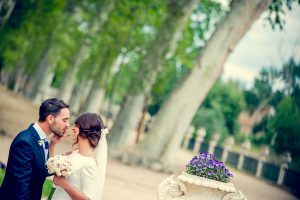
(229,99)
(277,12)
(286,124)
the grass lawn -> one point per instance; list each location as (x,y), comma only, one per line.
(46,188)
(1,175)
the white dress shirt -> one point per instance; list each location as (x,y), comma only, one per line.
(43,137)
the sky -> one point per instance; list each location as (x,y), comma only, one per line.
(264,47)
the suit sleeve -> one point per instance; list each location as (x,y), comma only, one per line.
(21,158)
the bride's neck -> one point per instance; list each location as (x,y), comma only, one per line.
(85,149)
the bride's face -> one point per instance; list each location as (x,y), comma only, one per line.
(75,130)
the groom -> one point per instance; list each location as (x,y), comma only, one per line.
(26,171)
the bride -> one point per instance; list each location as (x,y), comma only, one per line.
(88,161)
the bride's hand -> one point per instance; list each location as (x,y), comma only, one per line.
(68,153)
(55,139)
(60,180)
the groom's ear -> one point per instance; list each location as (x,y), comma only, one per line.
(50,119)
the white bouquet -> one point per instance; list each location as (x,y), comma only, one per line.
(59,165)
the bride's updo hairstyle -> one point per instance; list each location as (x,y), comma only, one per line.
(90,126)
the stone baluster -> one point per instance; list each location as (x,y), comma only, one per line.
(245,147)
(199,139)
(264,152)
(229,142)
(188,137)
(213,143)
(285,160)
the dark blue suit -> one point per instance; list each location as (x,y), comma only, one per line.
(26,171)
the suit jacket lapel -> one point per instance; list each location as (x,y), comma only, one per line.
(37,139)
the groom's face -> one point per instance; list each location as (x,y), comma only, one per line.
(61,122)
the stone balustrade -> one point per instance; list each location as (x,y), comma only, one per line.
(259,166)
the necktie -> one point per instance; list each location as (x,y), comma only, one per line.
(46,144)
(46,147)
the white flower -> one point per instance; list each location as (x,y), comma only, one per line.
(41,142)
(64,173)
(105,131)
(59,165)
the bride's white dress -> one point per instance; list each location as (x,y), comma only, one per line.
(85,178)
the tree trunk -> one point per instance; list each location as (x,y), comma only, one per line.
(97,92)
(44,87)
(37,82)
(18,73)
(80,94)
(95,100)
(9,5)
(68,84)
(20,80)
(179,109)
(94,95)
(115,83)
(179,12)
(142,121)
(17,84)
(4,78)
(11,77)
(123,123)
(1,4)
(41,80)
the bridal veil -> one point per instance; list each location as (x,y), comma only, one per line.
(101,155)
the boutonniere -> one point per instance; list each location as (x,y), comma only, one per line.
(41,142)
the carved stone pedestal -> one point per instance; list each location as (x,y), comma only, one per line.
(190,187)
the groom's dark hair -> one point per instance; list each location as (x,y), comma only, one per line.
(51,106)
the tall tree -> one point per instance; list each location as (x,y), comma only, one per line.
(24,34)
(290,75)
(286,124)
(41,79)
(118,41)
(229,99)
(96,94)
(178,110)
(101,16)
(150,65)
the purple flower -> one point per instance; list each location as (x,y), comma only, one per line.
(205,165)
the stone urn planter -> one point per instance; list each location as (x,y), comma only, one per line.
(191,187)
